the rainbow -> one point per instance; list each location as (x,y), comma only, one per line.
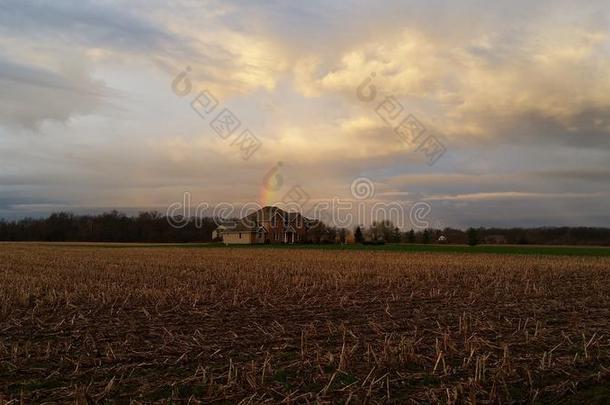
(271,185)
(268,196)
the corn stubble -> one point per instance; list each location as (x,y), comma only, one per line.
(88,324)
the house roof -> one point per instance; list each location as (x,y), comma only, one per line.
(252,222)
(293,216)
(265,214)
(244,227)
(268,212)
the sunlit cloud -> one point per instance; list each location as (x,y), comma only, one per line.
(520,95)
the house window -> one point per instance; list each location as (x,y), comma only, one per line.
(240,235)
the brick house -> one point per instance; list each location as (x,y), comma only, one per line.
(267,225)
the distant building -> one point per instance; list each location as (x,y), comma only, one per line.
(442,239)
(267,225)
(217,233)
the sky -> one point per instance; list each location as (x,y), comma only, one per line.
(121,104)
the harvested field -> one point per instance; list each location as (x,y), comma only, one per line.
(254,325)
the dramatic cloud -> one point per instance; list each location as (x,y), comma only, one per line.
(519,93)
(32,95)
(114,25)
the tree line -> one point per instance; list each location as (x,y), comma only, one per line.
(385,231)
(146,227)
(153,227)
(111,226)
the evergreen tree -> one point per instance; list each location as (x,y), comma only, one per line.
(358,235)
(426,237)
(396,235)
(473,237)
(411,236)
